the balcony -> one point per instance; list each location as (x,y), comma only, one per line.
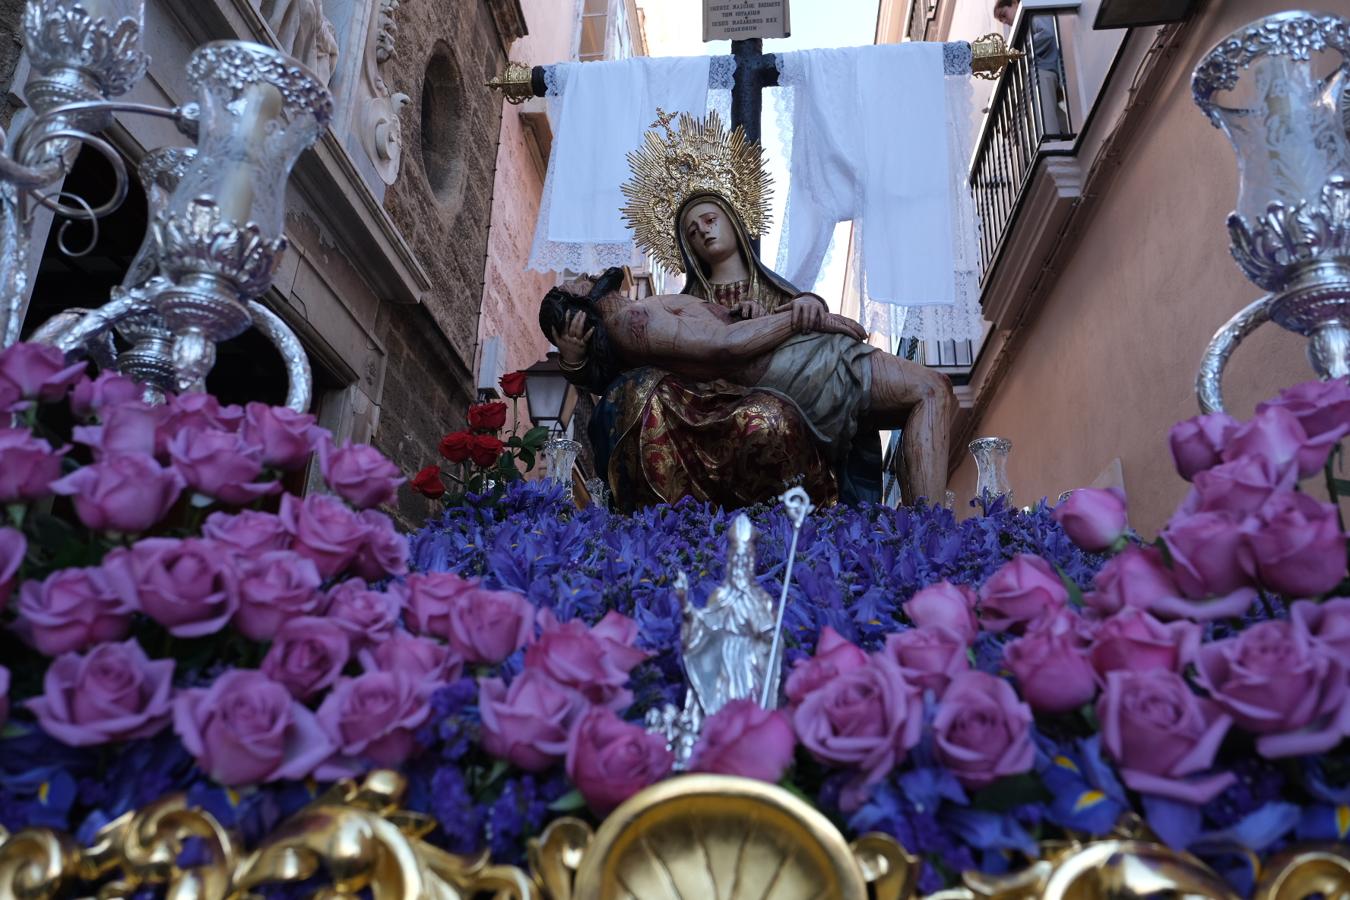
(1028,118)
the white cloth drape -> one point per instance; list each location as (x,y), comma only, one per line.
(602,113)
(880,138)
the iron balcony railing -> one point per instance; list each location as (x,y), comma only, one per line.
(1029,109)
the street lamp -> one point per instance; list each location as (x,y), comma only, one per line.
(1137,13)
(552,399)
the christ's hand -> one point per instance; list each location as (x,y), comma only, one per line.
(571,341)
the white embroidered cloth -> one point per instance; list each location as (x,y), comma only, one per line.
(602,110)
(880,137)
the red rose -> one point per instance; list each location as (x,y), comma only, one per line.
(455,446)
(428,482)
(513,384)
(485,449)
(487,416)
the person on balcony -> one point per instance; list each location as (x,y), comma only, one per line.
(1047,65)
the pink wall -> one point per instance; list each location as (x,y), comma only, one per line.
(1109,362)
(511,294)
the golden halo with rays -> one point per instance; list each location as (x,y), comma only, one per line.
(698,156)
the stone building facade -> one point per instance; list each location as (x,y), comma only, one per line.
(387,216)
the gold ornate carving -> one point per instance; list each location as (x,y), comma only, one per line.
(700,156)
(515,83)
(695,836)
(990,55)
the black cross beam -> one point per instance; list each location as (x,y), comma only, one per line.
(755,71)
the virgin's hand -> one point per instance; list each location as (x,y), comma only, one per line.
(571,341)
(748,309)
(808,313)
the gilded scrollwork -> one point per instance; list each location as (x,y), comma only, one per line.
(678,839)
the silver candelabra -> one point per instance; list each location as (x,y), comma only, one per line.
(1290,233)
(217,212)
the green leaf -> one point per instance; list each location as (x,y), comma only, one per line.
(1075,593)
(1009,793)
(528,458)
(569,802)
(535,437)
(499,768)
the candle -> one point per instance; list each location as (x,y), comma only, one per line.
(245,152)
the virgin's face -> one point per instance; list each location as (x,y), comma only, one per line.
(710,235)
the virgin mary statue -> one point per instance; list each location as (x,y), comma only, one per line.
(697,199)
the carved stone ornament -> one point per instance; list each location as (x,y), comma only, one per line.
(696,836)
(380,128)
(60,35)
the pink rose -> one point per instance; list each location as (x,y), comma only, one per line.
(324,530)
(866,719)
(38,372)
(28,466)
(248,533)
(124,494)
(4,697)
(286,438)
(307,655)
(369,616)
(112,693)
(1321,407)
(427,662)
(220,464)
(126,427)
(70,610)
(107,389)
(1205,552)
(834,656)
(431,595)
(373,716)
(13,549)
(245,729)
(929,656)
(359,474)
(947,605)
(488,626)
(1162,735)
(595,661)
(1051,664)
(1239,487)
(744,740)
(188,586)
(1276,434)
(1136,578)
(610,760)
(198,411)
(1093,518)
(982,732)
(1196,443)
(1274,683)
(1025,589)
(274,588)
(1327,624)
(1299,550)
(1135,641)
(384,551)
(528,723)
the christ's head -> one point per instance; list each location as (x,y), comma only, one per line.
(1005,11)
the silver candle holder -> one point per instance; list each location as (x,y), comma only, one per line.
(217,212)
(1290,232)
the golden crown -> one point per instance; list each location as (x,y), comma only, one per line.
(699,156)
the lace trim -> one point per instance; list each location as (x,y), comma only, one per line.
(555,78)
(721,73)
(957,57)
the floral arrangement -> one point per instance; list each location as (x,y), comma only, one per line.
(481,461)
(969,687)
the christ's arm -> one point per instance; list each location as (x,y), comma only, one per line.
(650,330)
